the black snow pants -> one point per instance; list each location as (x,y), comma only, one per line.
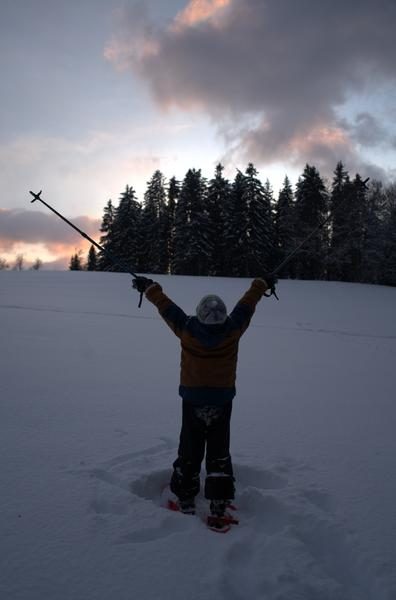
(206,427)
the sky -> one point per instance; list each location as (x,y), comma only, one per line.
(98,94)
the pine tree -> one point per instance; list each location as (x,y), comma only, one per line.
(270,259)
(92,262)
(219,192)
(259,247)
(154,226)
(388,267)
(37,264)
(236,231)
(285,228)
(125,241)
(338,223)
(106,239)
(311,207)
(173,196)
(3,264)
(19,263)
(191,244)
(355,228)
(374,239)
(75,262)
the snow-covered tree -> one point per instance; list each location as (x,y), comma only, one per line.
(104,263)
(173,196)
(124,243)
(92,262)
(339,208)
(259,249)
(191,244)
(218,200)
(388,267)
(236,230)
(311,211)
(154,226)
(270,257)
(374,234)
(355,223)
(285,228)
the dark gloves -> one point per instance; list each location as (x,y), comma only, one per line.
(141,284)
(270,280)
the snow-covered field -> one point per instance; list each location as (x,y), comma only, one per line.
(89,418)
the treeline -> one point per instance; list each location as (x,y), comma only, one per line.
(239,229)
(19,264)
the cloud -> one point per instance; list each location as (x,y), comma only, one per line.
(77,176)
(33,232)
(35,227)
(367,130)
(286,65)
(198,11)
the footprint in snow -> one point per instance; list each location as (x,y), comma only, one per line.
(289,543)
(292,546)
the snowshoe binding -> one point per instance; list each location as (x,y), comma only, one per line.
(221,519)
(186,507)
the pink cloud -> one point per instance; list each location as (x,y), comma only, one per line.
(36,234)
(198,11)
(286,67)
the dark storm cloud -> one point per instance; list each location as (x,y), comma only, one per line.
(291,64)
(35,227)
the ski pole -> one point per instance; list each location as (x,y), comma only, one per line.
(315,230)
(110,256)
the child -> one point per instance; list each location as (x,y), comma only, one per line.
(209,352)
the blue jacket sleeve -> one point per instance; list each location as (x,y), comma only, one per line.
(244,309)
(172,314)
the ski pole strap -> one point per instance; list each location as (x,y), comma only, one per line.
(272,292)
(271,281)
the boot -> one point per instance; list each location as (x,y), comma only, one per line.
(218,507)
(187,506)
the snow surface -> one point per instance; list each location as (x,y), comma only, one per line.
(90,419)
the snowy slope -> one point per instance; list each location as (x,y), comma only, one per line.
(90,418)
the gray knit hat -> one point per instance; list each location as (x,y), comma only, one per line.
(211,310)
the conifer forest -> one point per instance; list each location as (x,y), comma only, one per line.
(239,228)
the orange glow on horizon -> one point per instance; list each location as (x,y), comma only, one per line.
(46,252)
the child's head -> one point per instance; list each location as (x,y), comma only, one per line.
(211,310)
